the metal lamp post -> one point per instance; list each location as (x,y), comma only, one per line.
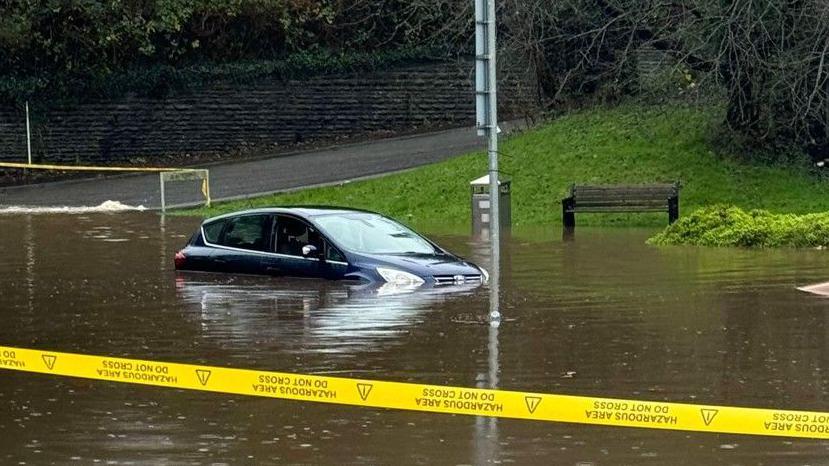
(486,106)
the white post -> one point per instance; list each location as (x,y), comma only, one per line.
(207,188)
(28,135)
(487,116)
(161,183)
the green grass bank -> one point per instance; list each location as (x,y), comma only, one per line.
(627,144)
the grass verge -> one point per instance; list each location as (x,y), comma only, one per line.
(627,144)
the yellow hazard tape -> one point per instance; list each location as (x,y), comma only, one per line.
(36,166)
(429,398)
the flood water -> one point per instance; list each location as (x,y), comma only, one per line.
(602,315)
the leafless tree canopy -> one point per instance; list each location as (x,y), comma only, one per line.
(770,58)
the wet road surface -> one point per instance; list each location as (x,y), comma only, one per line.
(261,176)
(602,315)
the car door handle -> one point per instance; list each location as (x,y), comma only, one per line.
(220,261)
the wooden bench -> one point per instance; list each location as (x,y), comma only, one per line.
(620,198)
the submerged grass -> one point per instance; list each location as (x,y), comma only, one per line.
(627,144)
(731,226)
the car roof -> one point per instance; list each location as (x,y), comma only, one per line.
(302,211)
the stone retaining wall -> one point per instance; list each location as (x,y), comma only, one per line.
(227,117)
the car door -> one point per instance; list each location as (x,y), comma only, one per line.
(243,244)
(335,265)
(290,256)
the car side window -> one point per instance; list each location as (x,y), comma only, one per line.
(332,254)
(212,231)
(292,234)
(247,232)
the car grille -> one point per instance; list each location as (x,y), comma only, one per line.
(456,279)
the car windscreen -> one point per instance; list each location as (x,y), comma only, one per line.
(372,234)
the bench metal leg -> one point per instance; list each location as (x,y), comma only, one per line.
(673,209)
(568,217)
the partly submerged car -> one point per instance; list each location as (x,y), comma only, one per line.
(326,242)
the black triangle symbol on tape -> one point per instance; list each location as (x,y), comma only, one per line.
(204,376)
(364,389)
(532,403)
(708,415)
(49,360)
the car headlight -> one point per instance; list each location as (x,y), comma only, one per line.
(399,277)
(485,274)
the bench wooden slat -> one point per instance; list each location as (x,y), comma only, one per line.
(581,195)
(624,192)
(663,200)
(625,186)
(587,189)
(582,199)
(598,209)
(625,195)
(622,187)
(587,205)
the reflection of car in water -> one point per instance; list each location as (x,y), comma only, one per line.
(311,314)
(324,242)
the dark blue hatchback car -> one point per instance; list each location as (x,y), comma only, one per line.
(326,242)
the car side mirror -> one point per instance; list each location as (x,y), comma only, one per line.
(309,250)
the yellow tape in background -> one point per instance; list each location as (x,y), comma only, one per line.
(428,398)
(35,166)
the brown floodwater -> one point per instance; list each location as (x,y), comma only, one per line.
(602,315)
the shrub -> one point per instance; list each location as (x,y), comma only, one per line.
(723,225)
